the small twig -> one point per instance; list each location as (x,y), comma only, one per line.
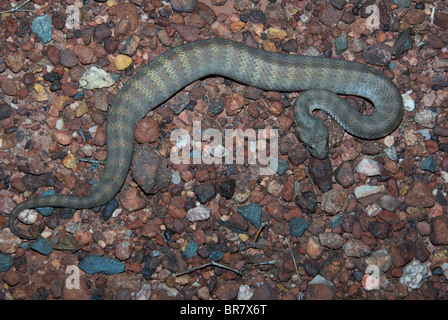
(259,231)
(210,264)
(293,260)
(17,9)
(214,264)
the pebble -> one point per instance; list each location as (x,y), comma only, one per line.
(334,201)
(68,58)
(368,190)
(356,248)
(298,154)
(368,167)
(378,55)
(184,5)
(414,16)
(419,195)
(132,200)
(244,292)
(380,259)
(123,250)
(27,216)
(9,87)
(336,220)
(150,170)
(227,291)
(330,16)
(252,213)
(6,262)
(62,137)
(85,54)
(319,292)
(198,213)
(341,43)
(100,32)
(313,248)
(282,166)
(42,246)
(122,62)
(15,62)
(234,103)
(42,27)
(9,243)
(96,78)
(297,226)
(439,230)
(426,118)
(402,252)
(414,274)
(307,202)
(205,192)
(344,174)
(96,264)
(430,164)
(321,173)
(226,188)
(189,33)
(403,3)
(5,111)
(389,202)
(191,249)
(331,240)
(110,44)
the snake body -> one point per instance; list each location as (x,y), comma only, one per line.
(180,66)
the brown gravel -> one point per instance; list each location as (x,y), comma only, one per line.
(380,203)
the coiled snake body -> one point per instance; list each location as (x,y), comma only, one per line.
(178,67)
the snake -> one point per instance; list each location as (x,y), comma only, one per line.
(321,81)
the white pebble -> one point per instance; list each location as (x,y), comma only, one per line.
(198,213)
(373,210)
(367,190)
(426,118)
(389,141)
(409,103)
(28,216)
(368,167)
(414,274)
(244,292)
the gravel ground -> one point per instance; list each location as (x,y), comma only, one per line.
(370,222)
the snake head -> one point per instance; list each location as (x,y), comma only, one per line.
(314,140)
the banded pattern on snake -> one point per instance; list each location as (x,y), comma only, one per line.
(321,79)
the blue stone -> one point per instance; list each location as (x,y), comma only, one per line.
(46,211)
(403,3)
(282,166)
(297,227)
(42,27)
(191,249)
(42,246)
(336,220)
(6,262)
(430,164)
(216,255)
(78,96)
(252,213)
(95,264)
(341,43)
(111,206)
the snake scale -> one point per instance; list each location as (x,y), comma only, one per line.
(321,79)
